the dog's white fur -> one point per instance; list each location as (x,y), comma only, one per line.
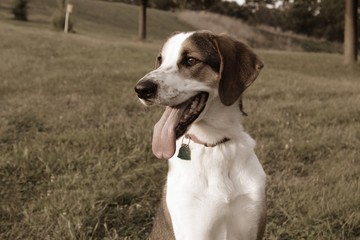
(219,194)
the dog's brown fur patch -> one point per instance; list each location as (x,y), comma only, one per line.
(200,47)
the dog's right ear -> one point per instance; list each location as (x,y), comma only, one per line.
(238,69)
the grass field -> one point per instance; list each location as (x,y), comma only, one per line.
(75,154)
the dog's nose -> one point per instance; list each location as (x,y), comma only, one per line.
(146,89)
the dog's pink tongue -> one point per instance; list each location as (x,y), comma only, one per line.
(163,142)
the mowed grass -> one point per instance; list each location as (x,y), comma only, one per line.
(75,153)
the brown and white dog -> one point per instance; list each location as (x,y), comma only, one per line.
(220,192)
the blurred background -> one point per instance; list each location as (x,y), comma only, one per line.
(75,143)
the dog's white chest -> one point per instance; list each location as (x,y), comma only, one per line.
(213,196)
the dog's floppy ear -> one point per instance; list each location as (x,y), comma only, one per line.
(238,69)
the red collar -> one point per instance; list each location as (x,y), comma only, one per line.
(198,141)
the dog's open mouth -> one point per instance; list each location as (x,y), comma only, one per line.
(174,123)
(191,110)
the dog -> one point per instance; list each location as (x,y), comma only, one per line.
(215,186)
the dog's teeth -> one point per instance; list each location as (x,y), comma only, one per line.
(184,118)
(193,105)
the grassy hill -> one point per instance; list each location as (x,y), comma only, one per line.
(75,154)
(101,19)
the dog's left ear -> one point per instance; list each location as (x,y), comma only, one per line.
(238,69)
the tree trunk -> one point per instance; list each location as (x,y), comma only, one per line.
(350,32)
(142,20)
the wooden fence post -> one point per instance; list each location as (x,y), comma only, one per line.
(69,9)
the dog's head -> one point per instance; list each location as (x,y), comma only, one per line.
(192,68)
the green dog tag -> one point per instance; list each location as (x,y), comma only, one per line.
(184,152)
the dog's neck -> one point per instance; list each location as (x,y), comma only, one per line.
(198,141)
(218,122)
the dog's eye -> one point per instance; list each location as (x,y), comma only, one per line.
(159,59)
(190,61)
